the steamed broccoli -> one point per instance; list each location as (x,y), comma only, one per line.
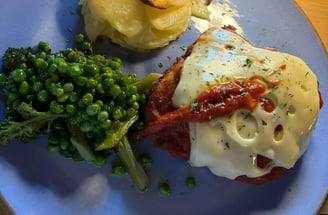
(35,123)
(13,58)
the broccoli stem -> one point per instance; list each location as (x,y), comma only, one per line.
(79,142)
(134,168)
(113,138)
(145,83)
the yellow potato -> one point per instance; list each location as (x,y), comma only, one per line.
(168,19)
(133,24)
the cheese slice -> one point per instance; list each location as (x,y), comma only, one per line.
(228,145)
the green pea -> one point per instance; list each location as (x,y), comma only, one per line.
(91,70)
(131,112)
(119,169)
(69,108)
(73,56)
(68,87)
(41,63)
(63,98)
(117,59)
(87,47)
(76,156)
(142,98)
(100,160)
(132,99)
(82,81)
(135,105)
(56,107)
(62,67)
(24,88)
(53,68)
(48,83)
(87,98)
(105,70)
(31,58)
(107,124)
(190,182)
(102,116)
(100,103)
(145,161)
(57,90)
(63,144)
(115,90)
(79,38)
(164,189)
(53,148)
(74,71)
(74,97)
(91,83)
(18,75)
(93,109)
(43,96)
(130,90)
(44,46)
(107,82)
(37,86)
(42,55)
(117,113)
(115,64)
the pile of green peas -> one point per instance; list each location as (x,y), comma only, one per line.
(88,89)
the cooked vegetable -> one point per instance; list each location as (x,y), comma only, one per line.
(164,189)
(118,169)
(145,161)
(82,100)
(190,182)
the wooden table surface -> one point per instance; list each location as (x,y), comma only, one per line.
(317,13)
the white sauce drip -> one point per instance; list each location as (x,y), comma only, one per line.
(221,14)
(228,146)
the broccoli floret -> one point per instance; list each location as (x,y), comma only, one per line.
(35,123)
(13,58)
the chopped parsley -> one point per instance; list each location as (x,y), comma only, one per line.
(248,63)
(193,106)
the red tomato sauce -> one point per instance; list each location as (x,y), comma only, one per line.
(171,130)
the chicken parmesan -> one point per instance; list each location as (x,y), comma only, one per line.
(244,112)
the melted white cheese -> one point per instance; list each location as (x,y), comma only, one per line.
(228,145)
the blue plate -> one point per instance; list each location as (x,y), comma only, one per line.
(35,181)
